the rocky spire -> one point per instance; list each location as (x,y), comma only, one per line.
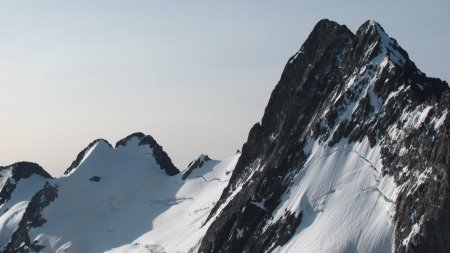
(195,164)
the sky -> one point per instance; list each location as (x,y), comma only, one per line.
(196,75)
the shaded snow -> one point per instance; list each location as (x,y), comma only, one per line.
(135,207)
(185,232)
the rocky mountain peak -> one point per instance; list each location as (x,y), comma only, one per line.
(356,95)
(374,46)
(352,155)
(323,34)
(195,164)
(26,169)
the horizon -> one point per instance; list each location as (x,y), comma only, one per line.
(195,76)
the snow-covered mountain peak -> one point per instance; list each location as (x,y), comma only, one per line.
(136,144)
(139,142)
(371,26)
(379,46)
(133,139)
(85,153)
(133,144)
(12,175)
(196,164)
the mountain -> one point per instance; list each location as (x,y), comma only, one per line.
(351,155)
(109,197)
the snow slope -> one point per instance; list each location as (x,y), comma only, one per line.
(116,196)
(350,209)
(180,228)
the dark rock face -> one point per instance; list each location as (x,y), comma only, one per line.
(20,170)
(343,86)
(423,206)
(161,157)
(95,179)
(81,155)
(197,163)
(26,169)
(32,218)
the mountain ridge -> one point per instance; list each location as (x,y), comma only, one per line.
(339,86)
(143,140)
(351,155)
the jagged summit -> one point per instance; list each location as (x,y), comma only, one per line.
(378,46)
(380,49)
(195,164)
(345,111)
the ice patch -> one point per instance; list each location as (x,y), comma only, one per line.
(259,204)
(439,122)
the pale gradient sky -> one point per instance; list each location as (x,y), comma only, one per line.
(196,75)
